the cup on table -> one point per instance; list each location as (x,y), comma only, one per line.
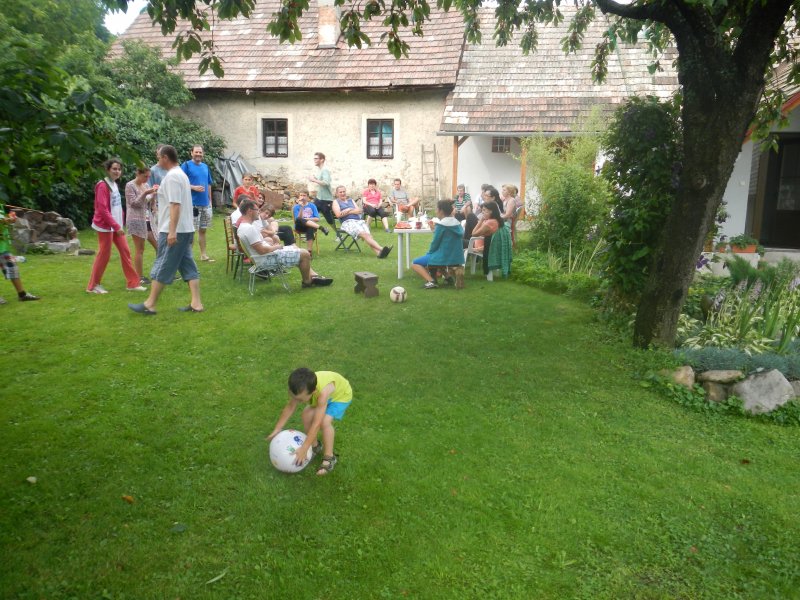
(418,225)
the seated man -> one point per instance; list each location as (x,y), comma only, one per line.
(306,219)
(266,254)
(399,198)
(462,203)
(445,249)
(349,215)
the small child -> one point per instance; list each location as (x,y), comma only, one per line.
(10,268)
(328,395)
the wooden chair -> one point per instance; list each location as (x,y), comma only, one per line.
(233,253)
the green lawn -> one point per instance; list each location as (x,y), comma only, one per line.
(497,447)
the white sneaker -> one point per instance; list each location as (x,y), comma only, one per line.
(138,288)
(98,289)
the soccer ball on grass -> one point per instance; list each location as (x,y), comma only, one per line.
(283,448)
(398,294)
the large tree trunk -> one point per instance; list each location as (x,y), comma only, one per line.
(714,126)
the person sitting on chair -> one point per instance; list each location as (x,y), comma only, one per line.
(462,203)
(349,216)
(270,226)
(445,249)
(259,249)
(247,188)
(373,207)
(306,218)
(402,202)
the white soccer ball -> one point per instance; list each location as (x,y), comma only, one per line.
(398,294)
(283,448)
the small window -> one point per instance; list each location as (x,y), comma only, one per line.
(501,145)
(276,137)
(380,138)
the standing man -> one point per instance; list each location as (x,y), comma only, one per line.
(322,179)
(200,179)
(175,237)
(156,171)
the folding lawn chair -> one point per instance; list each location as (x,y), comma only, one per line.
(345,241)
(266,267)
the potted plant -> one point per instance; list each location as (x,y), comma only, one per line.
(744,244)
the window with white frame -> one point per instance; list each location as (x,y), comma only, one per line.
(501,145)
(380,138)
(276,137)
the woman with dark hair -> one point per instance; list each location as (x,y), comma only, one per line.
(107,222)
(496,236)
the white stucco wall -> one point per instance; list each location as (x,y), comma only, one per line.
(477,164)
(335,124)
(737,191)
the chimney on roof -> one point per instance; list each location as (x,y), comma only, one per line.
(328,28)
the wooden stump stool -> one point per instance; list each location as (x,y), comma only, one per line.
(366,282)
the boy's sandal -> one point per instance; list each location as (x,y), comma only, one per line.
(327,465)
(316,449)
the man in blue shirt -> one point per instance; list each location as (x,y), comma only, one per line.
(200,182)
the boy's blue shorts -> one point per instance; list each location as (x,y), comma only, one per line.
(336,409)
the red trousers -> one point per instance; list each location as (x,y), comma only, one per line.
(105,239)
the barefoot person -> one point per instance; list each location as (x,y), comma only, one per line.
(175,237)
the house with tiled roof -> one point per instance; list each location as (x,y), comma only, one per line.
(502,95)
(278,104)
(467,105)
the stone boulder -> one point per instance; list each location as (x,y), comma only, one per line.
(764,392)
(796,387)
(715,392)
(730,376)
(681,376)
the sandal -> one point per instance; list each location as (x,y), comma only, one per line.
(316,449)
(327,465)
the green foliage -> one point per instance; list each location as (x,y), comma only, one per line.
(140,73)
(140,125)
(551,273)
(643,145)
(701,294)
(758,312)
(48,123)
(713,358)
(572,200)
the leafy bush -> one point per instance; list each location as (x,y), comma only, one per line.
(572,200)
(643,146)
(711,358)
(548,272)
(760,313)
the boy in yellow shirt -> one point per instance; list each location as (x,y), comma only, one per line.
(328,395)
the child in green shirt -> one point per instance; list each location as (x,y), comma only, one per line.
(8,260)
(327,395)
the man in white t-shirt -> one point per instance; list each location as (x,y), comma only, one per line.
(175,237)
(274,255)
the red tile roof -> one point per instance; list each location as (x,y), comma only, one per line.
(253,59)
(500,90)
